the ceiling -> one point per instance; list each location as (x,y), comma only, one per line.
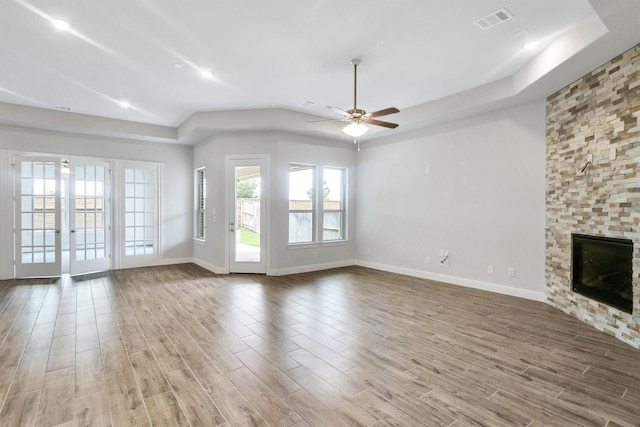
(290,57)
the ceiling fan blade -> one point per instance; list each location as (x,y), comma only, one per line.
(328,120)
(339,111)
(390,110)
(381,123)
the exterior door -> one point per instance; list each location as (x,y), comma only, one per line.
(89,248)
(38,217)
(247,219)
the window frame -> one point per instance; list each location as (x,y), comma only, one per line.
(343,204)
(318,210)
(200,204)
(314,205)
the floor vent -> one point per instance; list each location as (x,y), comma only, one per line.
(493,19)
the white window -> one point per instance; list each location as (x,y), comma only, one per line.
(302,212)
(313,197)
(200,204)
(333,204)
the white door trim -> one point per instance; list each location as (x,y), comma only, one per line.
(265,162)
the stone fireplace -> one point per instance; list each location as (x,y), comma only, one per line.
(593,188)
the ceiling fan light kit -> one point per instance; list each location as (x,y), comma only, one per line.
(355,129)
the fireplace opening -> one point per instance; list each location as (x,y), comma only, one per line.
(603,269)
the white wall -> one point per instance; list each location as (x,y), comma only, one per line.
(177,191)
(475,187)
(282,149)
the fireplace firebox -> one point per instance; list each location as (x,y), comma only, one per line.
(603,269)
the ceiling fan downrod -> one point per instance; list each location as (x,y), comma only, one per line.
(355,62)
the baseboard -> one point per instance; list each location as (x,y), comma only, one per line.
(453,280)
(171,261)
(309,268)
(212,268)
(459,281)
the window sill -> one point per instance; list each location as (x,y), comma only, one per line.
(312,245)
(198,241)
(336,243)
(303,245)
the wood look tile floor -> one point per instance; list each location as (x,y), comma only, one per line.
(179,346)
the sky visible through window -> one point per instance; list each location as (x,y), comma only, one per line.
(299,186)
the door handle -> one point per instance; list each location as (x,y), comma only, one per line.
(73,231)
(232,230)
(57,231)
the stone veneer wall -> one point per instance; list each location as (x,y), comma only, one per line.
(591,116)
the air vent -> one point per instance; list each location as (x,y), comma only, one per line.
(62,108)
(494,19)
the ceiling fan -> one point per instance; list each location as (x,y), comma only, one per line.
(357,117)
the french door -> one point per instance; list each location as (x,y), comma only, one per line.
(247,219)
(38,217)
(61,210)
(139,217)
(89,185)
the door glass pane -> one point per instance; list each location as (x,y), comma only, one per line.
(89,210)
(26,169)
(139,211)
(247,217)
(37,210)
(27,186)
(38,237)
(27,237)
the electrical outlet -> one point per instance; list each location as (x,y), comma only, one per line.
(511,272)
(490,268)
(612,153)
(427,260)
(441,252)
(590,157)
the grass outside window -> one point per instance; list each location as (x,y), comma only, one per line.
(248,237)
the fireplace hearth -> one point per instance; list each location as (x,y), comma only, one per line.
(603,269)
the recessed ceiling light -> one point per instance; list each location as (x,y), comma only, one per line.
(60,25)
(125,104)
(206,74)
(531,45)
